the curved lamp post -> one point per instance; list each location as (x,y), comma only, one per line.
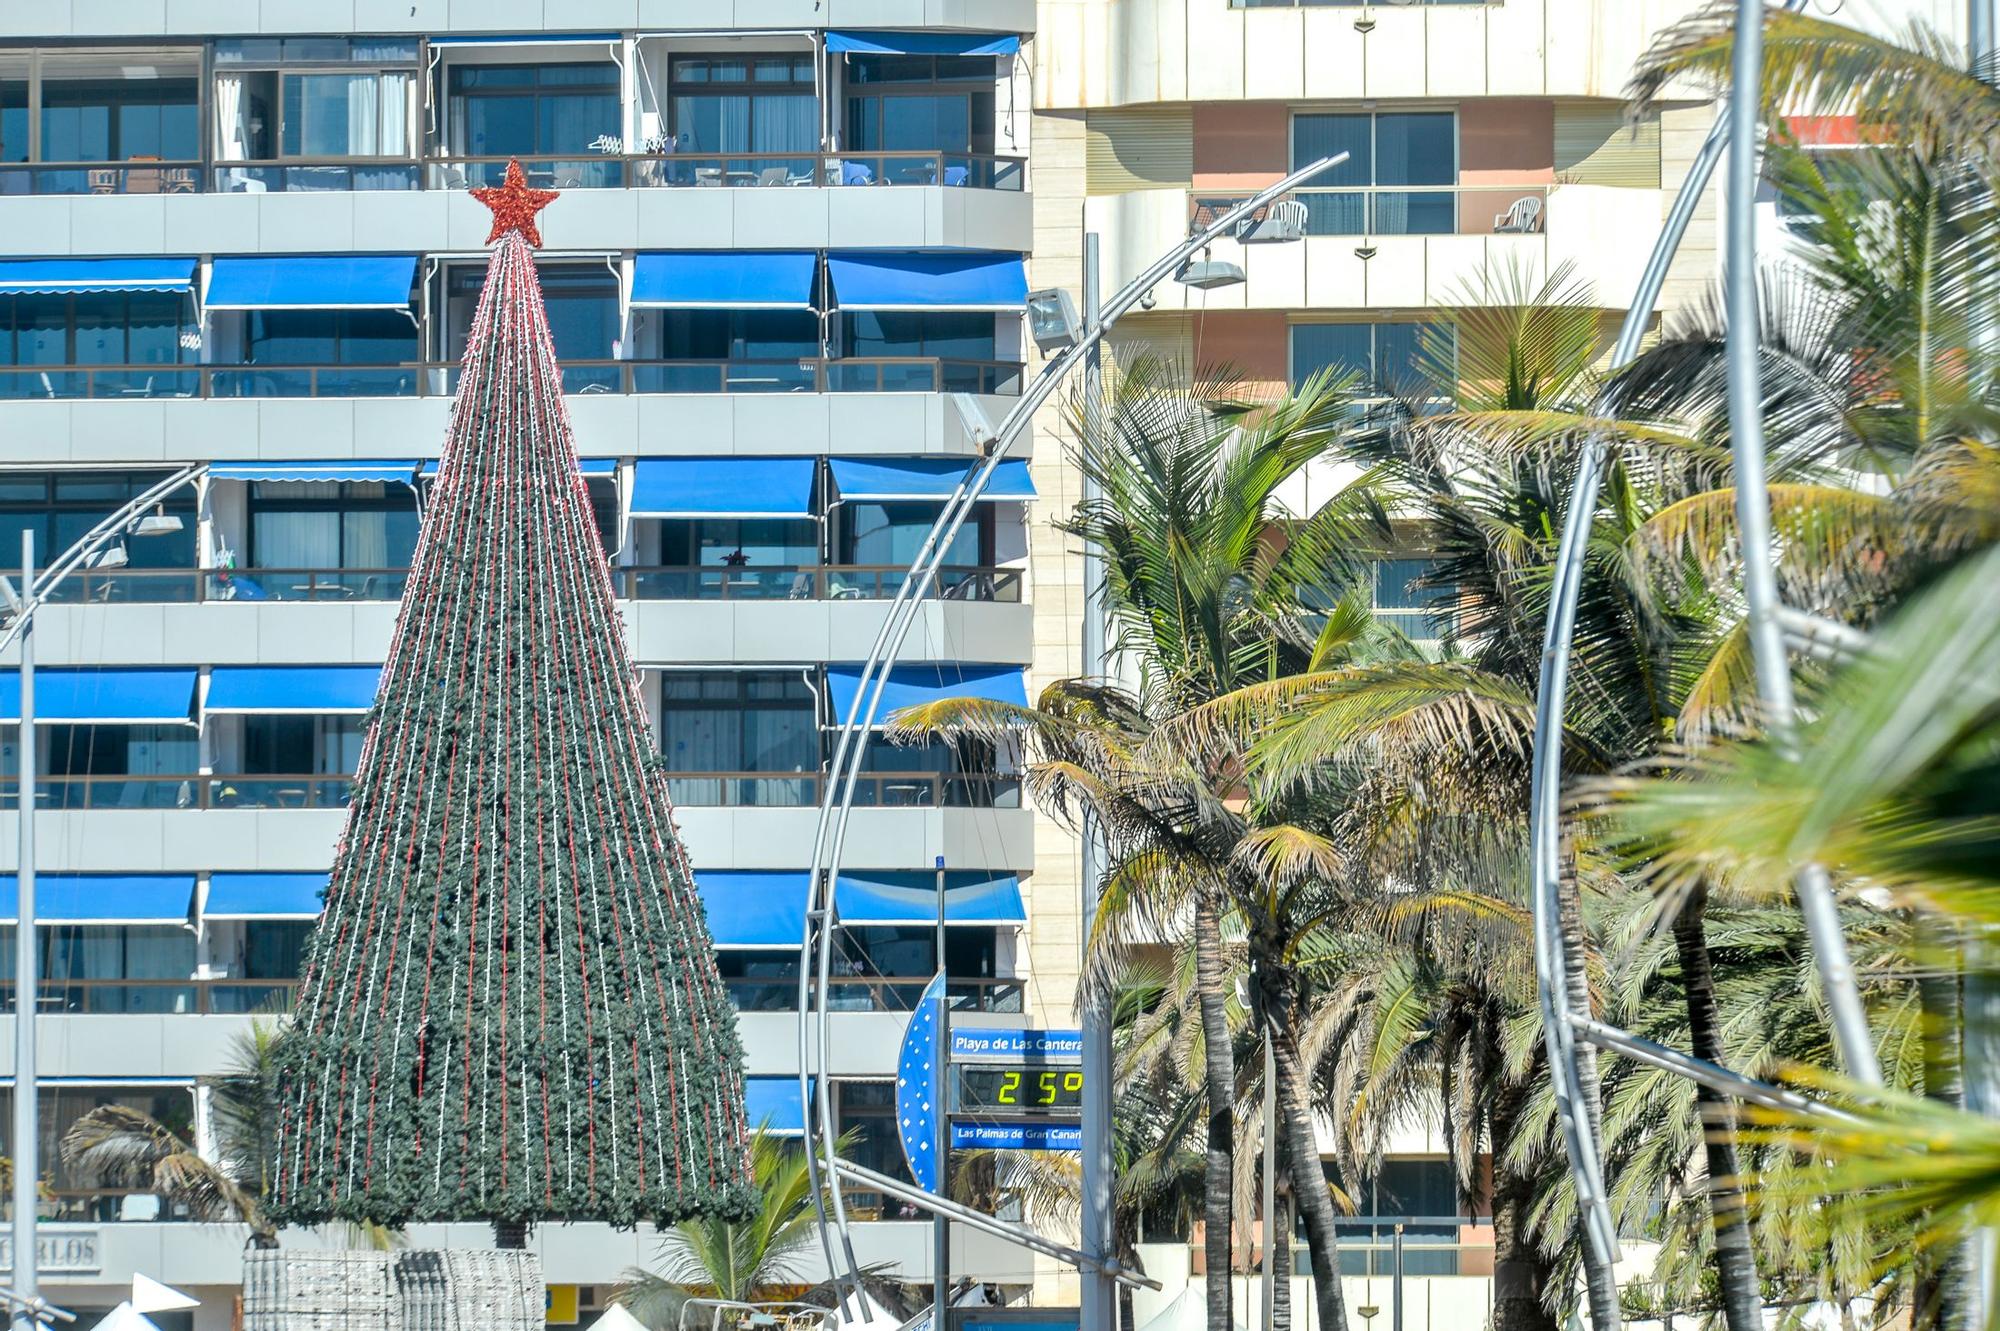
(29,1308)
(829,839)
(1735,131)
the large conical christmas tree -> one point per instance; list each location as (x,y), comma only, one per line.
(510,1008)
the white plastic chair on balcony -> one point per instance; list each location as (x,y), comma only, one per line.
(1523,216)
(1283,220)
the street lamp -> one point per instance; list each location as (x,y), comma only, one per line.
(103,546)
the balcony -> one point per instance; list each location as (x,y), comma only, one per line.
(897,374)
(127,997)
(872,790)
(1438,253)
(951,170)
(869,993)
(191,791)
(792,582)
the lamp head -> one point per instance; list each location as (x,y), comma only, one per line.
(1052,319)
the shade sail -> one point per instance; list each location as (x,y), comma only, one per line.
(911,898)
(774,1104)
(867,281)
(385,470)
(722,488)
(884,479)
(38,277)
(100,898)
(309,690)
(914,685)
(264,896)
(587,466)
(313,282)
(108,697)
(740,280)
(749,908)
(852,42)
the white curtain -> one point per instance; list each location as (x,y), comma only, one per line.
(232,119)
(298,540)
(364,114)
(393,98)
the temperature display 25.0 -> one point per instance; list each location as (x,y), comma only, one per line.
(1018,1089)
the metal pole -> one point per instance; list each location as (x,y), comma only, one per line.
(27,1168)
(1098,1310)
(940,1088)
(1396,1290)
(1753,520)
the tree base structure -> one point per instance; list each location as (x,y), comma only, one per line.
(452,1289)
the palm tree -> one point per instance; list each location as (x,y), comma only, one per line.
(741,1260)
(1205,594)
(128,1146)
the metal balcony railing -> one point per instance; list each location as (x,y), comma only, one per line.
(693,170)
(138,176)
(863,993)
(809,374)
(191,791)
(878,790)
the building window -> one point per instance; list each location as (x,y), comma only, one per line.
(313,525)
(328,337)
(1388,359)
(941,351)
(302,100)
(884,967)
(582,304)
(746,104)
(530,111)
(760,981)
(867,1109)
(60,507)
(114,767)
(738,335)
(123,120)
(1396,181)
(1407,598)
(80,1195)
(920,103)
(130,332)
(109,968)
(877,535)
(740,721)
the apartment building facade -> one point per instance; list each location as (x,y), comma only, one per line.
(785,280)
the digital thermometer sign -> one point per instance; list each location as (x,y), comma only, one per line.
(1017,1089)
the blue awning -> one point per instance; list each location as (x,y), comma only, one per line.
(308,690)
(107,697)
(911,898)
(866,281)
(43,277)
(313,282)
(264,896)
(754,908)
(773,1104)
(722,488)
(923,43)
(914,685)
(886,479)
(737,279)
(586,466)
(385,470)
(101,898)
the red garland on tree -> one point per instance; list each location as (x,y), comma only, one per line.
(510,1009)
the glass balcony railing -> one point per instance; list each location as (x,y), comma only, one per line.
(862,374)
(853,993)
(777,582)
(747,790)
(68,998)
(131,177)
(873,790)
(692,170)
(1432,211)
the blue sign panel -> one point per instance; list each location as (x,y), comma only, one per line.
(917,1106)
(1051,1046)
(1019,1136)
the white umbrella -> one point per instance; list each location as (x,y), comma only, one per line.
(126,1318)
(615,1318)
(150,1296)
(1186,1313)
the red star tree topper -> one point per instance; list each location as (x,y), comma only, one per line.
(514,206)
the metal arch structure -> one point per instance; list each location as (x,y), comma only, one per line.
(1736,132)
(829,839)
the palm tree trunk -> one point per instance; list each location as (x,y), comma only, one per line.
(1520,1272)
(1278,1256)
(1219,1085)
(1600,1284)
(1309,1187)
(1735,1261)
(1938,1301)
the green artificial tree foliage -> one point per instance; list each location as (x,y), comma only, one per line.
(510,1010)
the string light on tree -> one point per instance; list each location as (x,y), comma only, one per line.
(510,1009)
